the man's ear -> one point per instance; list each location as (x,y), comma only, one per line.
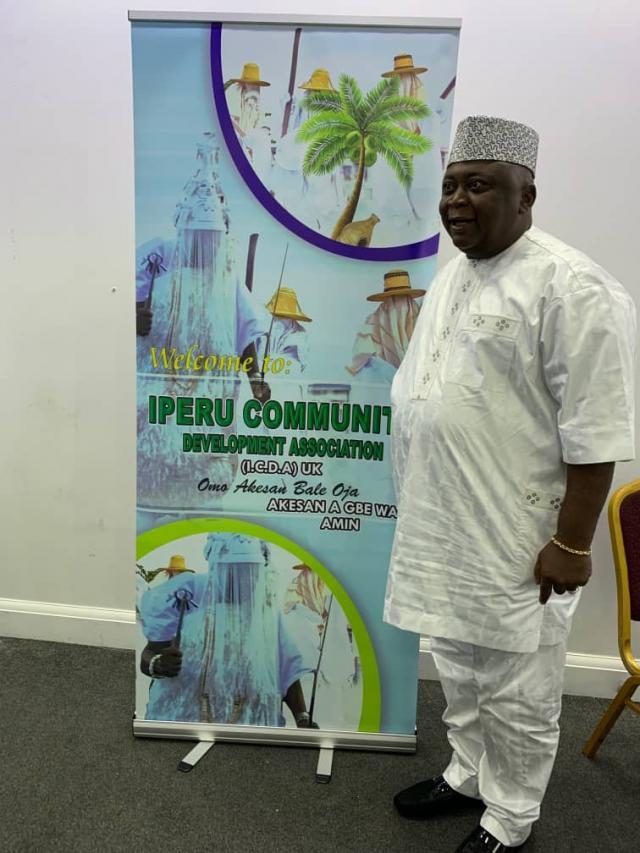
(528,196)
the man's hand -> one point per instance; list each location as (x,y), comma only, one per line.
(558,571)
(170,663)
(259,388)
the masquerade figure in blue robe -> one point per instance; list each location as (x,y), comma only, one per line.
(189,298)
(218,650)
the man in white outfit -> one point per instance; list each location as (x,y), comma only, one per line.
(511,406)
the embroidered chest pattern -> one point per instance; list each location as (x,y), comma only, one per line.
(437,353)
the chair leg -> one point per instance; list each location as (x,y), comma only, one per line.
(610,716)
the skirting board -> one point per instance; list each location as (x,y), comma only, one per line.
(585,675)
(67,623)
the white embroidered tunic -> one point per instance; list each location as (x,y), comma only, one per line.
(519,365)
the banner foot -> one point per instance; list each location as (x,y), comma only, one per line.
(325,760)
(194,755)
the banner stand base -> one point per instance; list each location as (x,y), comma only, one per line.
(325,760)
(194,755)
(323,770)
(326,740)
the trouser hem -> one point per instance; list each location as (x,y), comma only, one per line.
(498,830)
(467,787)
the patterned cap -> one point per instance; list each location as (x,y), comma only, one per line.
(487,138)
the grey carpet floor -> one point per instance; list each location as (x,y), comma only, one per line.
(74,778)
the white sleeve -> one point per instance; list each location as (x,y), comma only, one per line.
(588,342)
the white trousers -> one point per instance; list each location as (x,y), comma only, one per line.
(502,718)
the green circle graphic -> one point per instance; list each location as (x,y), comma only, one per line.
(371,697)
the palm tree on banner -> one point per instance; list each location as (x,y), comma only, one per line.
(347,125)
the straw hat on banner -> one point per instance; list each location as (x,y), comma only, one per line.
(284,303)
(403,64)
(320,81)
(177,563)
(250,76)
(396,283)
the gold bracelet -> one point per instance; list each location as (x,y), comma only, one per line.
(570,550)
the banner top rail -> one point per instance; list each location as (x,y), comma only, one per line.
(136,15)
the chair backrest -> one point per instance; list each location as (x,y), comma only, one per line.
(630,524)
(624,526)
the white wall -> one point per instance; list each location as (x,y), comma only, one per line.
(570,69)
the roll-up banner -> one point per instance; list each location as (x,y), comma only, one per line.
(287,177)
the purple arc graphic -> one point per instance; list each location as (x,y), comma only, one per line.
(409,252)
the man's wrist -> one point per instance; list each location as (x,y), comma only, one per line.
(303,717)
(571,549)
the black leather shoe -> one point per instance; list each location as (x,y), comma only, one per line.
(430,798)
(481,841)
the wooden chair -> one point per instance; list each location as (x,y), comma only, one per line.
(624,526)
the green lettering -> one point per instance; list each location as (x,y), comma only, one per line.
(166,407)
(184,411)
(272,414)
(224,411)
(361,418)
(294,415)
(251,413)
(340,417)
(203,411)
(317,416)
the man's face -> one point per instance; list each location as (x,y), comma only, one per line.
(485,206)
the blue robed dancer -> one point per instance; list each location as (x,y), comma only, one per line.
(217,647)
